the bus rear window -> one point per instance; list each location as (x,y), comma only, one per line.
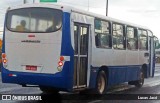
(39,20)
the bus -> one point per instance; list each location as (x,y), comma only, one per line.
(61,48)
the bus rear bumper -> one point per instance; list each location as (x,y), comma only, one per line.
(48,80)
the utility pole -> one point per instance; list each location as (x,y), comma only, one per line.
(88,5)
(24,1)
(107,8)
(33,1)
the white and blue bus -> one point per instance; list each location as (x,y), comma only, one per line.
(60,48)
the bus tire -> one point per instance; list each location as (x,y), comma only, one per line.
(139,83)
(48,90)
(101,83)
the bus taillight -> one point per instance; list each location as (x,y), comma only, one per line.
(60,63)
(4,61)
(4,58)
(3,55)
(61,58)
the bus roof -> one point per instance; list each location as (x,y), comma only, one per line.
(70,9)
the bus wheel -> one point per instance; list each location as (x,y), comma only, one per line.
(101,82)
(140,82)
(48,90)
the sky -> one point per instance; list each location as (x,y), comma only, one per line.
(141,12)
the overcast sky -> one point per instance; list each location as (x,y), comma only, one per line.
(141,12)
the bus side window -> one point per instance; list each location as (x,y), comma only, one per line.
(143,43)
(132,38)
(118,36)
(102,34)
(128,45)
(97,40)
(140,44)
(84,40)
(102,40)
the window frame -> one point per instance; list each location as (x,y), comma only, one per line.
(135,33)
(139,39)
(7,20)
(109,35)
(124,36)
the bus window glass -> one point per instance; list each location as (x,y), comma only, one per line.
(143,44)
(75,40)
(131,39)
(156,43)
(83,41)
(34,20)
(118,41)
(102,34)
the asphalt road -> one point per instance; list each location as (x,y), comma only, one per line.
(151,87)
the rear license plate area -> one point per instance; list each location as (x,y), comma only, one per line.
(31,68)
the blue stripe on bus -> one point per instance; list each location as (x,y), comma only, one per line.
(3,44)
(117,74)
(22,78)
(67,50)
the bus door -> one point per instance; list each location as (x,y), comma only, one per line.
(81,39)
(151,58)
